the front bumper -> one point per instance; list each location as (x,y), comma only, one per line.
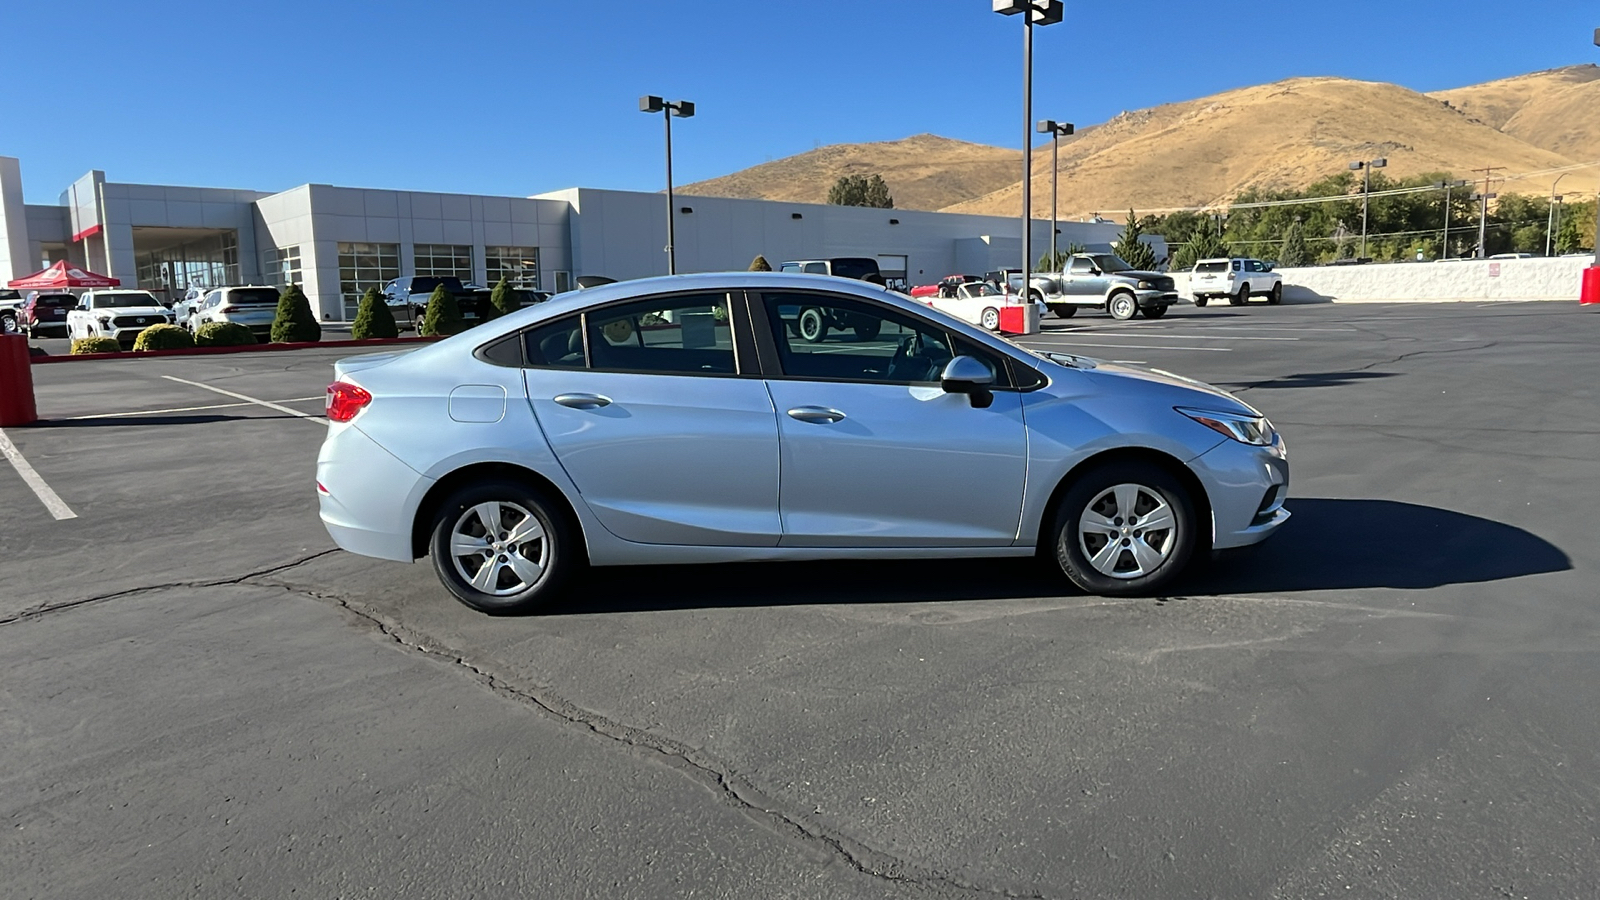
(1247,487)
(1156,298)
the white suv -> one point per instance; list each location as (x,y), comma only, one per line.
(1236,279)
(252,306)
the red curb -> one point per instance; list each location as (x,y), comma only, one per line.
(248,348)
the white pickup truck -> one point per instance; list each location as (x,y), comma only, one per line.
(119,314)
(1236,279)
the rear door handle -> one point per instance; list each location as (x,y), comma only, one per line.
(816,415)
(582,401)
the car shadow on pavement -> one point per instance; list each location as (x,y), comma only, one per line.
(1305,380)
(149,420)
(1326,545)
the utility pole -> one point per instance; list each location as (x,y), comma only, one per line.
(1483,199)
(1550,227)
(1366,167)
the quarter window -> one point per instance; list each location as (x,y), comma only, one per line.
(558,345)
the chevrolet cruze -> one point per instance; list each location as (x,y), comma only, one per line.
(686,420)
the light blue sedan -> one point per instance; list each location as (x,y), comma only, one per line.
(684,420)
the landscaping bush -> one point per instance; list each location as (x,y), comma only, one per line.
(163,337)
(443,316)
(295,323)
(760,264)
(374,319)
(223,334)
(502,301)
(95,345)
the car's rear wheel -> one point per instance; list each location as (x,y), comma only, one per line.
(1064,310)
(1154,312)
(503,546)
(1242,297)
(990,318)
(1122,306)
(1276,297)
(813,326)
(867,329)
(8,325)
(1124,529)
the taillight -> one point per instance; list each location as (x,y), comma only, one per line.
(345,400)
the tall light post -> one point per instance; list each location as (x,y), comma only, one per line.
(1550,227)
(1036,12)
(1448,186)
(1365,168)
(683,109)
(1056,130)
(1597,193)
(1483,221)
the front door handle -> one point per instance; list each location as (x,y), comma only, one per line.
(582,401)
(816,415)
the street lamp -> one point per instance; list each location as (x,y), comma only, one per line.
(1448,186)
(1550,227)
(683,109)
(1365,168)
(1056,130)
(1038,12)
(1483,221)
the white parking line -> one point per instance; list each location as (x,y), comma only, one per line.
(248,399)
(1162,335)
(179,409)
(48,497)
(1149,347)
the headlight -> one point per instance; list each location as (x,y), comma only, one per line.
(1253,430)
(1145,286)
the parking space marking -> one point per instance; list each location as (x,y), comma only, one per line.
(248,399)
(48,497)
(1146,346)
(1162,335)
(181,409)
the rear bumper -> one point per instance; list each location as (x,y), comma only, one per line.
(366,497)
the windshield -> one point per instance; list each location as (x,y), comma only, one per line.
(124,300)
(1109,262)
(979,289)
(253,297)
(424,284)
(855,268)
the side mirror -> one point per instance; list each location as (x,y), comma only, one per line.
(965,375)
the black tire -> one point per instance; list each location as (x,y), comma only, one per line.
(1067,541)
(1122,306)
(1276,297)
(1242,297)
(559,554)
(1201,301)
(813,325)
(867,329)
(1035,297)
(989,314)
(1063,310)
(8,325)
(1154,312)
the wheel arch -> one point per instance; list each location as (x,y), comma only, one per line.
(422,522)
(1171,464)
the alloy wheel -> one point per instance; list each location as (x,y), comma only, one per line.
(500,548)
(1127,532)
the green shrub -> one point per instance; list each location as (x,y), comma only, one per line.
(82,346)
(163,337)
(443,316)
(223,334)
(760,264)
(373,318)
(502,301)
(295,323)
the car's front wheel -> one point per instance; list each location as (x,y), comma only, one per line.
(1122,306)
(1064,310)
(503,546)
(1124,529)
(1276,297)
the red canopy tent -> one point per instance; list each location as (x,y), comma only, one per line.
(62,275)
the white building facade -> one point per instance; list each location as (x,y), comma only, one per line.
(336,242)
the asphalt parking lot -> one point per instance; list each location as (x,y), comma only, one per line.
(1395,697)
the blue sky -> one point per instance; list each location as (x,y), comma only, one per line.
(522,96)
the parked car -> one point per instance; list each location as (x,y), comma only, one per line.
(579,431)
(1236,279)
(862,268)
(253,306)
(1102,281)
(945,287)
(45,313)
(10,316)
(117,313)
(976,302)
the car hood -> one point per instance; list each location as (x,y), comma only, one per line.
(1137,275)
(131,311)
(1184,391)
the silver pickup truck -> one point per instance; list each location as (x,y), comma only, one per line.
(1104,281)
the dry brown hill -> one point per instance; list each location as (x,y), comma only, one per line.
(924,171)
(1282,135)
(1554,109)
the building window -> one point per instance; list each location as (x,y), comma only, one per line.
(444,260)
(173,268)
(517,265)
(281,267)
(363,266)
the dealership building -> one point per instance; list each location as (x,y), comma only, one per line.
(336,242)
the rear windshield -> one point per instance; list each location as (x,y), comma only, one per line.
(62,300)
(121,300)
(1212,266)
(855,268)
(253,297)
(424,284)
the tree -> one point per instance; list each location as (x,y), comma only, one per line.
(1203,244)
(502,300)
(760,264)
(443,316)
(1056,263)
(861,190)
(373,318)
(294,322)
(1133,251)
(1294,252)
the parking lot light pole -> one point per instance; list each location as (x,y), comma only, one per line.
(1444,245)
(683,109)
(1550,226)
(1483,221)
(1036,12)
(1366,167)
(1056,130)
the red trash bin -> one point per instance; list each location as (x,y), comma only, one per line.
(1591,286)
(16,382)
(1019,318)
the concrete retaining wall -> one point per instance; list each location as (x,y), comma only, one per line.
(1469,279)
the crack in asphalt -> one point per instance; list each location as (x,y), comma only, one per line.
(34,612)
(732,789)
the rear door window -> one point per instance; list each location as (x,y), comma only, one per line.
(683,335)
